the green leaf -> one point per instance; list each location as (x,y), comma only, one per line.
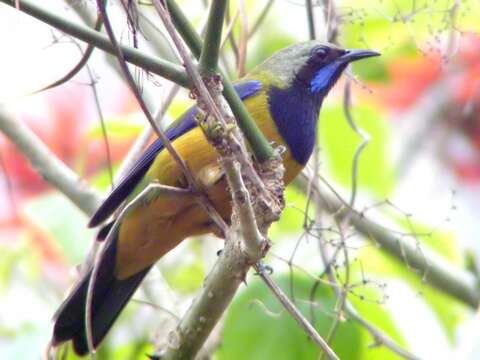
(257,327)
(339,143)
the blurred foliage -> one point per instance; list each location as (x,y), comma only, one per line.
(257,326)
(340,142)
(59,218)
(43,235)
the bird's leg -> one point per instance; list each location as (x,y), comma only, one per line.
(262,268)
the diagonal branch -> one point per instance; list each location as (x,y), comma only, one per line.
(166,69)
(52,170)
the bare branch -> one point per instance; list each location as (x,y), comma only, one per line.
(237,257)
(48,165)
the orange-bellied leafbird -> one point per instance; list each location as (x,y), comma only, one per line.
(284,95)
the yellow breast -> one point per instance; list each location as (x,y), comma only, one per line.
(151,230)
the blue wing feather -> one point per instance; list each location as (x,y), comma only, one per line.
(127,184)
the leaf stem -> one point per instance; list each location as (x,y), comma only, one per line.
(213,38)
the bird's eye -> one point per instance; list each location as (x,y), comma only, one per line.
(319,53)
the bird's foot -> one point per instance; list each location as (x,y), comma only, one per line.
(263,269)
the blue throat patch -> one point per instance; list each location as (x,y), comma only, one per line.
(295,111)
(326,77)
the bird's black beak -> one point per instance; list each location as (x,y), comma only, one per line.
(354,55)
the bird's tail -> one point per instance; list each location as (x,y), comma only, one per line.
(110,295)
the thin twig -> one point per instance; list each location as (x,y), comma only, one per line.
(310,19)
(229,29)
(360,132)
(379,336)
(147,62)
(243,40)
(261,18)
(441,275)
(231,39)
(102,124)
(297,315)
(76,69)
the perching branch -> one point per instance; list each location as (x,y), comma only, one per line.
(48,165)
(229,271)
(250,220)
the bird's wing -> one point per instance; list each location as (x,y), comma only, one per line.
(185,123)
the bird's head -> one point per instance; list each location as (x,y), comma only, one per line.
(296,80)
(313,64)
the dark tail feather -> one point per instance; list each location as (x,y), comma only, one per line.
(110,295)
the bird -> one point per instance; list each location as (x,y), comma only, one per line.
(284,95)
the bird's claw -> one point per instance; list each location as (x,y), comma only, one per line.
(264,269)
